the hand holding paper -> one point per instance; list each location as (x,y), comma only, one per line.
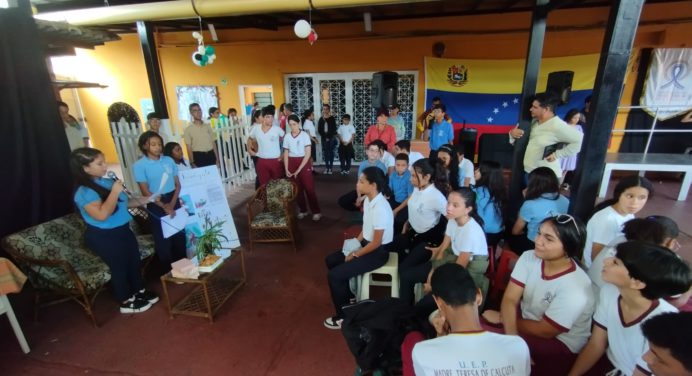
(172,225)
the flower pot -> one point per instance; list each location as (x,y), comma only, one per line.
(209,263)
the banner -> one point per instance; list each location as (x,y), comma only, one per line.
(203,196)
(487,92)
(668,83)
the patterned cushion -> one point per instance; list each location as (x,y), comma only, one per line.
(278,191)
(146,245)
(268,219)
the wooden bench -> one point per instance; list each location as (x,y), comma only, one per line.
(649,162)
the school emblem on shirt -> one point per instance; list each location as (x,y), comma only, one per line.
(457,75)
(549,297)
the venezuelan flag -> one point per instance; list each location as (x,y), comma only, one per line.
(487,92)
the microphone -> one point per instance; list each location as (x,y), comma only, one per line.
(111,175)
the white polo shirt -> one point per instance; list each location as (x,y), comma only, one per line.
(346,132)
(468,238)
(564,300)
(602,228)
(626,343)
(596,268)
(268,143)
(425,208)
(377,215)
(296,145)
(472,353)
(413,156)
(466,171)
(309,126)
(388,159)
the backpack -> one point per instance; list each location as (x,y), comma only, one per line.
(375,330)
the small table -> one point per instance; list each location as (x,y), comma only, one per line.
(212,291)
(11,281)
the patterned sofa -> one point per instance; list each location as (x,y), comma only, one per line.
(58,263)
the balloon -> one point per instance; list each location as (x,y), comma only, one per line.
(210,50)
(196,58)
(302,29)
(197,35)
(205,59)
(312,37)
(201,50)
(213,56)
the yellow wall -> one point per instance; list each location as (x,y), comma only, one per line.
(261,57)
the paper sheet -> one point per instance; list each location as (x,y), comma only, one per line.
(172,226)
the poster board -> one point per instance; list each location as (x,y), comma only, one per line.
(203,195)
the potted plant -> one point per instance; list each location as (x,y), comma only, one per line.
(207,243)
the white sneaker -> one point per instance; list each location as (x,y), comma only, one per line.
(333,322)
(316,217)
(302,215)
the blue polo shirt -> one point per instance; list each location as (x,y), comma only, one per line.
(84,196)
(492,219)
(401,185)
(151,172)
(440,134)
(536,210)
(365,164)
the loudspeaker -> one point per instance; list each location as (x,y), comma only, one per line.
(467,137)
(560,84)
(385,86)
(495,147)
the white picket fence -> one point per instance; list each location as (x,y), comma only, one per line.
(236,165)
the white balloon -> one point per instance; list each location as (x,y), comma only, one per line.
(197,62)
(197,35)
(302,29)
(212,56)
(201,49)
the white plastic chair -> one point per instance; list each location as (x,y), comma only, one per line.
(391,268)
(5,307)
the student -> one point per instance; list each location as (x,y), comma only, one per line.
(326,127)
(491,199)
(214,116)
(158,174)
(309,127)
(154,124)
(404,146)
(549,300)
(466,170)
(668,336)
(462,346)
(397,122)
(658,230)
(284,114)
(639,276)
(543,199)
(629,197)
(200,140)
(76,131)
(298,166)
(103,205)
(345,134)
(251,144)
(401,186)
(351,201)
(386,157)
(175,152)
(267,137)
(377,232)
(573,118)
(441,130)
(381,131)
(447,158)
(233,119)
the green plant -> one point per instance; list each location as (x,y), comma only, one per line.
(210,239)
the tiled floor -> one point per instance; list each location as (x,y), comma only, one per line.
(273,326)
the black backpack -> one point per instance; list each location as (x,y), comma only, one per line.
(375,330)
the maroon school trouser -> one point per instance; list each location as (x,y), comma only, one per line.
(306,185)
(269,169)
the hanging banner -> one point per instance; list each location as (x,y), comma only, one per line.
(668,86)
(203,196)
(487,92)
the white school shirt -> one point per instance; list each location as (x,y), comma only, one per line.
(296,145)
(346,132)
(467,238)
(425,208)
(309,126)
(377,215)
(268,143)
(472,353)
(626,343)
(564,300)
(602,228)
(466,171)
(596,268)
(388,159)
(413,156)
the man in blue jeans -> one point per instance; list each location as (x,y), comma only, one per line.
(326,127)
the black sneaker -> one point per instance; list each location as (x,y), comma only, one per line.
(134,305)
(147,295)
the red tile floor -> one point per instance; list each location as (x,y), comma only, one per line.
(272,326)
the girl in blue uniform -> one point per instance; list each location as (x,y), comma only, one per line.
(157,173)
(103,205)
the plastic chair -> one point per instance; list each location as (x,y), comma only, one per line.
(5,307)
(391,268)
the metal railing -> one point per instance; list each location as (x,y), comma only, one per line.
(653,129)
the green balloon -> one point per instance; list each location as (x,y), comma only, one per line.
(205,59)
(210,50)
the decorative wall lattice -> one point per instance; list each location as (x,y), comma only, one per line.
(363,114)
(333,93)
(406,99)
(301,94)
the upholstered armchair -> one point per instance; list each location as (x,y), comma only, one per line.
(271,213)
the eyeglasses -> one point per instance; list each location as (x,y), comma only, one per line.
(566,218)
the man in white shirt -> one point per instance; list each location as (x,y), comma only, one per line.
(462,346)
(548,133)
